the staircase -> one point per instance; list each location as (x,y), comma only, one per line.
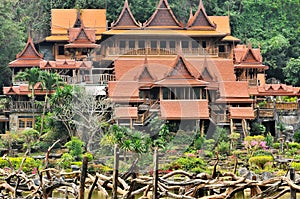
(239,129)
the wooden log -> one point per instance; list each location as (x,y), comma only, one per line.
(115,173)
(92,187)
(292,177)
(83,177)
(155,173)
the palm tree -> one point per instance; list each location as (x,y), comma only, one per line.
(50,81)
(32,76)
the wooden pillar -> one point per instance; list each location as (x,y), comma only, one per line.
(115,173)
(155,173)
(292,177)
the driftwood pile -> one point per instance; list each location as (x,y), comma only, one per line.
(176,184)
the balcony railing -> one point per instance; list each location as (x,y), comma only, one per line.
(101,79)
(25,106)
(219,118)
(115,51)
(280,106)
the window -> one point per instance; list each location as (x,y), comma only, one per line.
(221,48)
(163,44)
(122,44)
(131,44)
(153,44)
(203,44)
(195,44)
(141,44)
(184,44)
(61,50)
(172,44)
(25,122)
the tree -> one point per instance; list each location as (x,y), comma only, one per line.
(292,71)
(29,135)
(32,76)
(50,81)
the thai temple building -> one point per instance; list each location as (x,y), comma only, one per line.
(195,74)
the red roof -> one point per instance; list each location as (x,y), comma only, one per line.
(241,113)
(24,90)
(65,64)
(234,89)
(126,19)
(123,91)
(126,113)
(184,109)
(28,57)
(274,90)
(200,20)
(163,17)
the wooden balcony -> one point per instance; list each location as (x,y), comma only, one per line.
(289,106)
(25,106)
(266,113)
(101,79)
(115,51)
(219,118)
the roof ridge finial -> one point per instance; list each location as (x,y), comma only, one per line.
(146,60)
(191,13)
(249,45)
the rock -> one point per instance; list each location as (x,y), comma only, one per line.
(243,171)
(75,168)
(266,175)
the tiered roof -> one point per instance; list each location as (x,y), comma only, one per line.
(274,90)
(65,64)
(234,92)
(81,37)
(63,19)
(163,18)
(23,89)
(29,57)
(126,21)
(247,57)
(200,20)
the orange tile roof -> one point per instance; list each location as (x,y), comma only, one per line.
(63,19)
(126,113)
(231,38)
(28,57)
(274,90)
(200,20)
(234,89)
(65,64)
(222,22)
(184,109)
(241,113)
(247,54)
(123,91)
(126,19)
(163,17)
(24,90)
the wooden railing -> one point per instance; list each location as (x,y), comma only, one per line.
(101,79)
(25,106)
(115,51)
(219,118)
(280,106)
(266,113)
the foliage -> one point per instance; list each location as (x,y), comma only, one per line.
(223,147)
(292,71)
(269,139)
(220,134)
(66,160)
(260,161)
(257,129)
(89,156)
(29,165)
(189,163)
(254,143)
(29,135)
(297,136)
(209,144)
(276,145)
(75,147)
(296,165)
(234,137)
(294,145)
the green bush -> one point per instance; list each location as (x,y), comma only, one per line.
(276,145)
(29,165)
(66,160)
(89,156)
(294,145)
(188,164)
(262,152)
(260,161)
(297,136)
(296,165)
(223,147)
(75,147)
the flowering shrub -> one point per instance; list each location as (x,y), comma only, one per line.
(254,143)
(260,161)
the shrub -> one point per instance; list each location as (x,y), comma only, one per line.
(75,147)
(294,145)
(89,156)
(297,136)
(29,165)
(262,152)
(188,164)
(66,160)
(276,145)
(296,165)
(223,147)
(260,161)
